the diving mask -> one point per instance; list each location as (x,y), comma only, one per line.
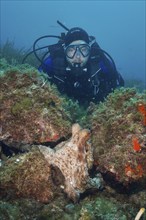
(71,50)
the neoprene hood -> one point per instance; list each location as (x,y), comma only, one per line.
(76,34)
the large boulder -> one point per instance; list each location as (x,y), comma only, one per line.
(26,176)
(118,138)
(32,110)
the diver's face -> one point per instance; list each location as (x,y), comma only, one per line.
(77,52)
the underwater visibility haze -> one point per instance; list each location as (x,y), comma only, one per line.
(58,159)
(119,27)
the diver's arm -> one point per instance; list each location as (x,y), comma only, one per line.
(46,66)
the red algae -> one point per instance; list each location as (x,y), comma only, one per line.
(136,145)
(142,110)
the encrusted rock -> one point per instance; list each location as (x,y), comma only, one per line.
(27,176)
(118,137)
(31,111)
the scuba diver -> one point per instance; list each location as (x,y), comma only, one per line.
(79,67)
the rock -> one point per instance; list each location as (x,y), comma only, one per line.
(118,138)
(27,176)
(32,110)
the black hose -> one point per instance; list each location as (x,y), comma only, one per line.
(34,45)
(62,25)
(114,65)
(59,37)
(33,52)
(46,36)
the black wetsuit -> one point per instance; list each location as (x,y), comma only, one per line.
(89,84)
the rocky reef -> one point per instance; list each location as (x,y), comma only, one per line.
(26,176)
(31,109)
(101,165)
(119,137)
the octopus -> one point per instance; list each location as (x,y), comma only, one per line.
(74,158)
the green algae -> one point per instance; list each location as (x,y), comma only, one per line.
(106,116)
(9,211)
(104,208)
(118,111)
(24,105)
(101,208)
(27,95)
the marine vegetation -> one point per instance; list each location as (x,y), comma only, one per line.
(70,160)
(12,54)
(60,169)
(31,109)
(15,55)
(118,136)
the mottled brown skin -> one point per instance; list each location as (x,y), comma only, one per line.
(73,158)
